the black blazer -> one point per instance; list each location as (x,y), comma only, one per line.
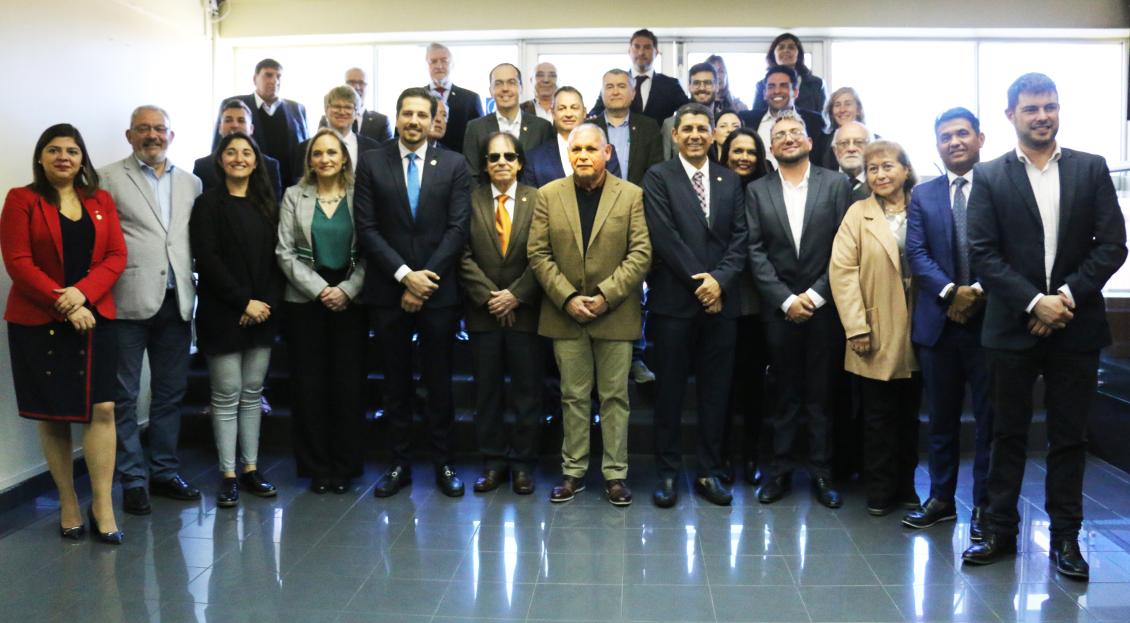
(534,132)
(665,98)
(778,270)
(299,166)
(389,236)
(645,145)
(206,171)
(1006,240)
(543,165)
(813,123)
(683,243)
(463,105)
(295,121)
(373,125)
(233,246)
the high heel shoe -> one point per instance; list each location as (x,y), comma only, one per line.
(112,538)
(75,534)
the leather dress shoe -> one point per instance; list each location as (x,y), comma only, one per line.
(523,482)
(320,485)
(340,486)
(135,501)
(254,483)
(490,480)
(880,509)
(977,524)
(392,481)
(567,490)
(752,473)
(712,490)
(111,538)
(825,493)
(448,481)
(174,488)
(935,511)
(75,534)
(991,549)
(774,489)
(617,492)
(1069,560)
(665,495)
(228,495)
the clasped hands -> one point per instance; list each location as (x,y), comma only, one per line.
(334,298)
(501,305)
(966,302)
(585,309)
(256,312)
(419,286)
(801,309)
(70,305)
(709,293)
(1051,313)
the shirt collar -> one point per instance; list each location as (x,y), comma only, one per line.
(495,192)
(968,177)
(1020,155)
(259,101)
(445,83)
(804,182)
(650,74)
(144,167)
(420,153)
(503,121)
(627,119)
(690,168)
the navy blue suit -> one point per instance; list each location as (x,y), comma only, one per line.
(949,353)
(543,165)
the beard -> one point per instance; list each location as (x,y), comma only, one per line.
(793,159)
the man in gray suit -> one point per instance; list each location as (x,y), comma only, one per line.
(506,89)
(154,301)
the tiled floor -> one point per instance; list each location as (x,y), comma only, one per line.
(420,557)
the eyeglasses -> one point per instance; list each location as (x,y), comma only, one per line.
(495,157)
(342,108)
(793,133)
(853,142)
(498,84)
(144,129)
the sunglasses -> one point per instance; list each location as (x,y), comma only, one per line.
(510,157)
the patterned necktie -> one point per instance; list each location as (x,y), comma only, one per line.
(440,89)
(961,229)
(413,184)
(637,101)
(502,223)
(700,190)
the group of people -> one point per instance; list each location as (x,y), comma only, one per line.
(770,250)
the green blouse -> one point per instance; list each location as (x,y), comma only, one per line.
(332,237)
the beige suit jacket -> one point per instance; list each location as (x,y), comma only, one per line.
(866,278)
(614,264)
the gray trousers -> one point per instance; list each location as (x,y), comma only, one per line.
(237,383)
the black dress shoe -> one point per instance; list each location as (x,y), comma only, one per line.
(665,495)
(228,495)
(880,508)
(254,483)
(448,481)
(991,549)
(174,488)
(567,490)
(489,480)
(340,486)
(392,481)
(523,482)
(135,501)
(712,490)
(75,534)
(752,474)
(111,538)
(935,511)
(977,524)
(320,485)
(1069,560)
(774,489)
(825,494)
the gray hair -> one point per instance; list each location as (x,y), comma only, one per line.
(152,107)
(435,45)
(836,134)
(588,126)
(790,115)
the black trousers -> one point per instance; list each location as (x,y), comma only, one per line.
(890,433)
(495,354)
(802,366)
(1070,380)
(436,331)
(747,394)
(702,345)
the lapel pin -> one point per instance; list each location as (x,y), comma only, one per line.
(719,179)
(433,163)
(98,215)
(523,200)
(524,128)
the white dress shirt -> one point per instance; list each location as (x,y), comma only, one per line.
(705,170)
(563,153)
(270,107)
(513,128)
(351,146)
(445,83)
(496,193)
(543,113)
(950,177)
(645,88)
(795,199)
(420,153)
(1045,186)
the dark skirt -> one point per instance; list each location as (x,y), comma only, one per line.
(60,374)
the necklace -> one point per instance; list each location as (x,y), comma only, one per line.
(328,200)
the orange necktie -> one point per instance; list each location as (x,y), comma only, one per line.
(502,223)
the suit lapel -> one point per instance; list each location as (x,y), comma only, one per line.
(133,172)
(815,185)
(568,197)
(777,198)
(51,217)
(520,215)
(1019,178)
(486,208)
(304,214)
(608,197)
(877,225)
(1067,175)
(397,173)
(691,197)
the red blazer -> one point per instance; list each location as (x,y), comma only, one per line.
(32,247)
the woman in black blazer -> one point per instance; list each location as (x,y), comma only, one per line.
(234,231)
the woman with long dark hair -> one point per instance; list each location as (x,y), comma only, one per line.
(63,248)
(743,152)
(234,228)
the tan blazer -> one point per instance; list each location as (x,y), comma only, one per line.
(866,279)
(484,269)
(616,262)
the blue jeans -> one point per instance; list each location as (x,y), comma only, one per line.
(166,338)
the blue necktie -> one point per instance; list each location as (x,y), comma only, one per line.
(961,229)
(413,183)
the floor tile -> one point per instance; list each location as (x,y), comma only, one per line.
(869,604)
(851,570)
(497,600)
(758,603)
(669,569)
(667,603)
(577,602)
(747,571)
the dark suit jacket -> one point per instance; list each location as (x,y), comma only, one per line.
(530,106)
(373,125)
(665,98)
(931,248)
(463,105)
(645,145)
(205,169)
(1006,240)
(295,120)
(778,270)
(813,122)
(389,236)
(299,165)
(534,133)
(683,243)
(813,94)
(543,165)
(484,268)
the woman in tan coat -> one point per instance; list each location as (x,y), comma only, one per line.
(870,283)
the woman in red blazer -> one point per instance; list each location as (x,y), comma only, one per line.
(63,248)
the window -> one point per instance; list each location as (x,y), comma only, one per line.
(403,66)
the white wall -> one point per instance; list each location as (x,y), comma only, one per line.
(89,63)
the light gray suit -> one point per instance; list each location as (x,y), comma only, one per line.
(295,248)
(151,317)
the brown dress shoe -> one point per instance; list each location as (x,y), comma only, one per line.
(567,490)
(490,480)
(617,492)
(523,483)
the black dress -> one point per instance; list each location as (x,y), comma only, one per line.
(59,374)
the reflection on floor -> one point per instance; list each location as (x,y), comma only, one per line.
(421,557)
